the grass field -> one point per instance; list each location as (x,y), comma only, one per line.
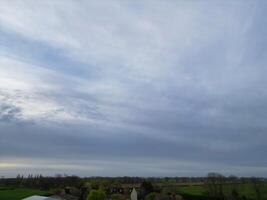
(18,194)
(243,189)
(196,190)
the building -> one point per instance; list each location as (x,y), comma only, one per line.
(116,190)
(36,197)
(134,194)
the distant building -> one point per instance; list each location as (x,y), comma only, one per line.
(116,190)
(134,194)
(36,197)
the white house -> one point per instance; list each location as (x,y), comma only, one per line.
(36,197)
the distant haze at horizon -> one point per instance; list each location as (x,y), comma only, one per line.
(133,88)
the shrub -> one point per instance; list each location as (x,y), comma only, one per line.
(96,195)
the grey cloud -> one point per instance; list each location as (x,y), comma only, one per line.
(147,86)
(96,143)
(9,112)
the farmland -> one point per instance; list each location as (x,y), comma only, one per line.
(244,190)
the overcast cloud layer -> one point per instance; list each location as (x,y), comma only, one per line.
(137,88)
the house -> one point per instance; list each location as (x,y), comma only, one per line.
(36,197)
(116,190)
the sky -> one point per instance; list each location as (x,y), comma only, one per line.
(133,88)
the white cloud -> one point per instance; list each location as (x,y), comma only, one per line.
(43,95)
(140,41)
(26,87)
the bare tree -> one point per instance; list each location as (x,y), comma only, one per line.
(215,183)
(258,186)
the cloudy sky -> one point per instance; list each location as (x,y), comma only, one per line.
(137,88)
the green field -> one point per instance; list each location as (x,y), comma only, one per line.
(196,190)
(18,194)
(243,190)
